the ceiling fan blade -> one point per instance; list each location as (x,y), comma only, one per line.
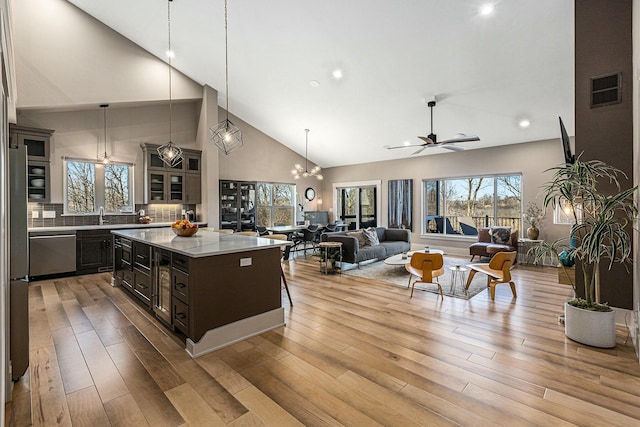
(461,138)
(453,147)
(427,140)
(401,146)
(420,150)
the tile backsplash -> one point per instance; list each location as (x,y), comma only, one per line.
(40,215)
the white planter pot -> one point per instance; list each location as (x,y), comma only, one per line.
(594,328)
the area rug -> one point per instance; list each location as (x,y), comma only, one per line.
(397,275)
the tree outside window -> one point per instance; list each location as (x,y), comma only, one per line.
(90,185)
(275,204)
(459,206)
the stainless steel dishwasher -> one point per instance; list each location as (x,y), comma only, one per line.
(52,252)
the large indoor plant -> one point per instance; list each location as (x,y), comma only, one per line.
(598,236)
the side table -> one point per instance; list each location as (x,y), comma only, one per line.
(524,245)
(458,276)
(331,253)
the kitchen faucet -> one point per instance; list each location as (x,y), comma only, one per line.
(101,220)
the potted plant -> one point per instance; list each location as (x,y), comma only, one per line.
(307,218)
(532,216)
(598,237)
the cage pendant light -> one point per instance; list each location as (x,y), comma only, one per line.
(225,135)
(298,171)
(104,157)
(170,153)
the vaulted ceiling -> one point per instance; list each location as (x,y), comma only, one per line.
(487,72)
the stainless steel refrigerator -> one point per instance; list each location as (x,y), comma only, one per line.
(18,259)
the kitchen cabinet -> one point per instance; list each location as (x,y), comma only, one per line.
(166,184)
(193,189)
(122,263)
(221,290)
(38,143)
(180,292)
(94,251)
(237,205)
(142,257)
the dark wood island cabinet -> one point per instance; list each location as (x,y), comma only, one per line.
(215,288)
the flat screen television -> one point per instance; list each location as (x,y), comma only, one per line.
(566,145)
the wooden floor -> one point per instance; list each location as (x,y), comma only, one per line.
(354,352)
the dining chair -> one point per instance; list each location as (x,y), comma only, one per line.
(498,270)
(224,231)
(284,279)
(262,231)
(247,233)
(307,235)
(427,267)
(330,228)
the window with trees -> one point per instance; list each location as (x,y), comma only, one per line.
(275,204)
(458,206)
(90,185)
(358,206)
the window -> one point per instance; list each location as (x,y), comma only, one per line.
(458,206)
(275,204)
(358,206)
(90,185)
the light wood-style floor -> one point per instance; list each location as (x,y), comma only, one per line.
(354,352)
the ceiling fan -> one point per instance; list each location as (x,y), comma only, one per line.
(432,140)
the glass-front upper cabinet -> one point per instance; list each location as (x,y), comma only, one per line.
(166,184)
(38,143)
(38,182)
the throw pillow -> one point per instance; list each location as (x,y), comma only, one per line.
(371,236)
(501,235)
(358,235)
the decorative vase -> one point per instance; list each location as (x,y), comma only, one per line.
(594,328)
(307,222)
(533,233)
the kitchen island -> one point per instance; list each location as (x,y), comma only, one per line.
(213,287)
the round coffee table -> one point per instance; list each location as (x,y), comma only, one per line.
(399,260)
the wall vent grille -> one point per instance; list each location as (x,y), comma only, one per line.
(606,90)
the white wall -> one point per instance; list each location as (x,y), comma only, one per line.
(530,159)
(65,57)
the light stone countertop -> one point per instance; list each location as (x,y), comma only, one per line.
(204,243)
(103,227)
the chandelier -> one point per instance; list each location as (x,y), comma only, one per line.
(104,157)
(170,153)
(298,171)
(225,135)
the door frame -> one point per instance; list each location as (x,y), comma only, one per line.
(377,183)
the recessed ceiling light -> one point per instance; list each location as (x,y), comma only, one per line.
(407,143)
(314,83)
(487,9)
(170,54)
(337,74)
(524,123)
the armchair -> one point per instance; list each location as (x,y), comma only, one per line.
(485,247)
(498,270)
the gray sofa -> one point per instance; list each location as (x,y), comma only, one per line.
(392,241)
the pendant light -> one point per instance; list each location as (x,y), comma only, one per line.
(103,157)
(225,135)
(298,171)
(170,153)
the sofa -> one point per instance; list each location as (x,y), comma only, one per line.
(392,241)
(492,240)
